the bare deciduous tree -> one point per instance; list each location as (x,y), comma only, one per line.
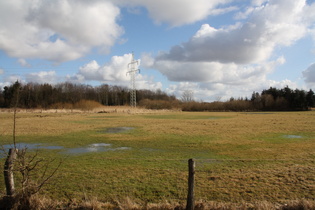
(32,172)
(187,96)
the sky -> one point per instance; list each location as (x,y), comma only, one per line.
(216,49)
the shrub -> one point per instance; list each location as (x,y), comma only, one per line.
(159,104)
(86,105)
(82,104)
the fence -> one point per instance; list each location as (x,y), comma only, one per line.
(155,180)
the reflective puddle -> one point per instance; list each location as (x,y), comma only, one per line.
(97,147)
(100,147)
(117,129)
(292,136)
(29,146)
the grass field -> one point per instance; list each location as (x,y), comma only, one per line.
(240,157)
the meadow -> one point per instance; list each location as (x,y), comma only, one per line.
(142,156)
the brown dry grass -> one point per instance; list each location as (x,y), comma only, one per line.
(94,108)
(60,121)
(237,135)
(232,135)
(42,203)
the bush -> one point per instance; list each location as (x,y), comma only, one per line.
(61,106)
(82,104)
(234,105)
(159,104)
(86,105)
(238,105)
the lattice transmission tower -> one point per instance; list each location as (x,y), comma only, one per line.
(133,69)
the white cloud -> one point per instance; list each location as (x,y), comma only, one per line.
(280,84)
(115,70)
(248,11)
(42,77)
(227,73)
(1,71)
(181,87)
(23,62)
(115,73)
(180,12)
(309,17)
(258,2)
(91,22)
(309,74)
(58,30)
(147,60)
(76,78)
(9,80)
(12,79)
(147,83)
(213,81)
(64,30)
(279,23)
(209,91)
(235,60)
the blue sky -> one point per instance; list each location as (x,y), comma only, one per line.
(217,49)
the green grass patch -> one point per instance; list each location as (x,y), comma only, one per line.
(241,157)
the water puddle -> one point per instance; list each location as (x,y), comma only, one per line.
(97,147)
(257,113)
(292,136)
(117,129)
(31,146)
(28,146)
(100,147)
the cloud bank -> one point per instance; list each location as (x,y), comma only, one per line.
(64,30)
(180,12)
(309,74)
(215,60)
(58,31)
(114,72)
(239,54)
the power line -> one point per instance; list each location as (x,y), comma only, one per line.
(133,69)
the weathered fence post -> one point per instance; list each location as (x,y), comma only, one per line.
(8,172)
(191,182)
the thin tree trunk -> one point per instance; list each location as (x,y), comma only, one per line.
(8,172)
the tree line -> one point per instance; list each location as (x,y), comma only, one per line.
(284,99)
(33,95)
(271,99)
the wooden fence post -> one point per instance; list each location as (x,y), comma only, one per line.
(191,182)
(8,172)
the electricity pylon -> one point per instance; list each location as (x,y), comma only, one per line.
(133,69)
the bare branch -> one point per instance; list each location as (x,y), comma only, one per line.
(49,177)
